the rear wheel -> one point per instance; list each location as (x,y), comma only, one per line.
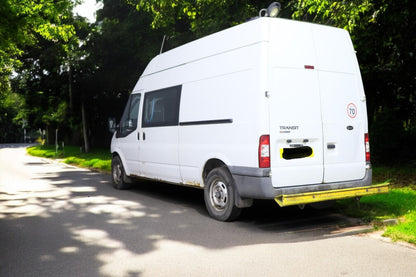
(120,180)
(219,195)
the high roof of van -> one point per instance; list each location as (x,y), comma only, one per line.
(235,37)
(249,33)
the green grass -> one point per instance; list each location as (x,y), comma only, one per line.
(405,231)
(395,204)
(399,203)
(99,159)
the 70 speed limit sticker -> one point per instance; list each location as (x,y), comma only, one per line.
(352,110)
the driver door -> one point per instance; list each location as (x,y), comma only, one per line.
(127,135)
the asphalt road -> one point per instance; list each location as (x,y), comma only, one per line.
(57,220)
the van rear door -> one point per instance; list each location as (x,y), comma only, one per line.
(295,107)
(317,113)
(344,114)
(295,128)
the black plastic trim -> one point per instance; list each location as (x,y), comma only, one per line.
(206,122)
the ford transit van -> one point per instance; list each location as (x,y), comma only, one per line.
(269,109)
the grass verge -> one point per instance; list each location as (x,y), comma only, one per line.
(98,159)
(399,203)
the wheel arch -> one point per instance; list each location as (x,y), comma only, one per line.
(123,161)
(216,163)
(210,165)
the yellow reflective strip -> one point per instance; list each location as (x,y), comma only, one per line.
(311,197)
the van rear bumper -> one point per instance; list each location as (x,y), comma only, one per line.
(256,183)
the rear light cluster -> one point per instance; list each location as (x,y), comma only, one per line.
(367,147)
(264,151)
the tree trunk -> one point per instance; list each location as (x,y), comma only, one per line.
(70,88)
(84,129)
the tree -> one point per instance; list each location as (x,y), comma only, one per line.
(12,111)
(41,81)
(23,25)
(20,24)
(198,17)
(343,14)
(386,50)
(117,49)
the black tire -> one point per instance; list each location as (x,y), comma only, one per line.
(219,195)
(120,180)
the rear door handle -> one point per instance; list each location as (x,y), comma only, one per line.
(331,146)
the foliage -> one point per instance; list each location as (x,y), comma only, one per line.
(119,46)
(386,51)
(200,17)
(21,22)
(34,38)
(343,14)
(12,112)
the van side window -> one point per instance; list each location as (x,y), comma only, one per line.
(161,107)
(128,122)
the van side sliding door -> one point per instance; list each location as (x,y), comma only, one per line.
(159,135)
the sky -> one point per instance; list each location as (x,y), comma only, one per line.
(87,9)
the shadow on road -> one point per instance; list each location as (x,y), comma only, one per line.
(61,216)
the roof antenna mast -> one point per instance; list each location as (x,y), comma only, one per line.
(165,37)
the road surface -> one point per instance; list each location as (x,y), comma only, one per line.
(57,220)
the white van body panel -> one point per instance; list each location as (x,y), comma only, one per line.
(159,154)
(313,112)
(209,84)
(297,82)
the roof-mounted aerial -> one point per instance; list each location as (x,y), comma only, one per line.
(272,10)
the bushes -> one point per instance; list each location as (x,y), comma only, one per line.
(392,139)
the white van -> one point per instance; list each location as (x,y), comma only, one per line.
(269,109)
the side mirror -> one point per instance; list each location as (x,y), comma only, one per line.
(112,125)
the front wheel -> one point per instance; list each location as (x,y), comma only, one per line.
(118,174)
(219,195)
